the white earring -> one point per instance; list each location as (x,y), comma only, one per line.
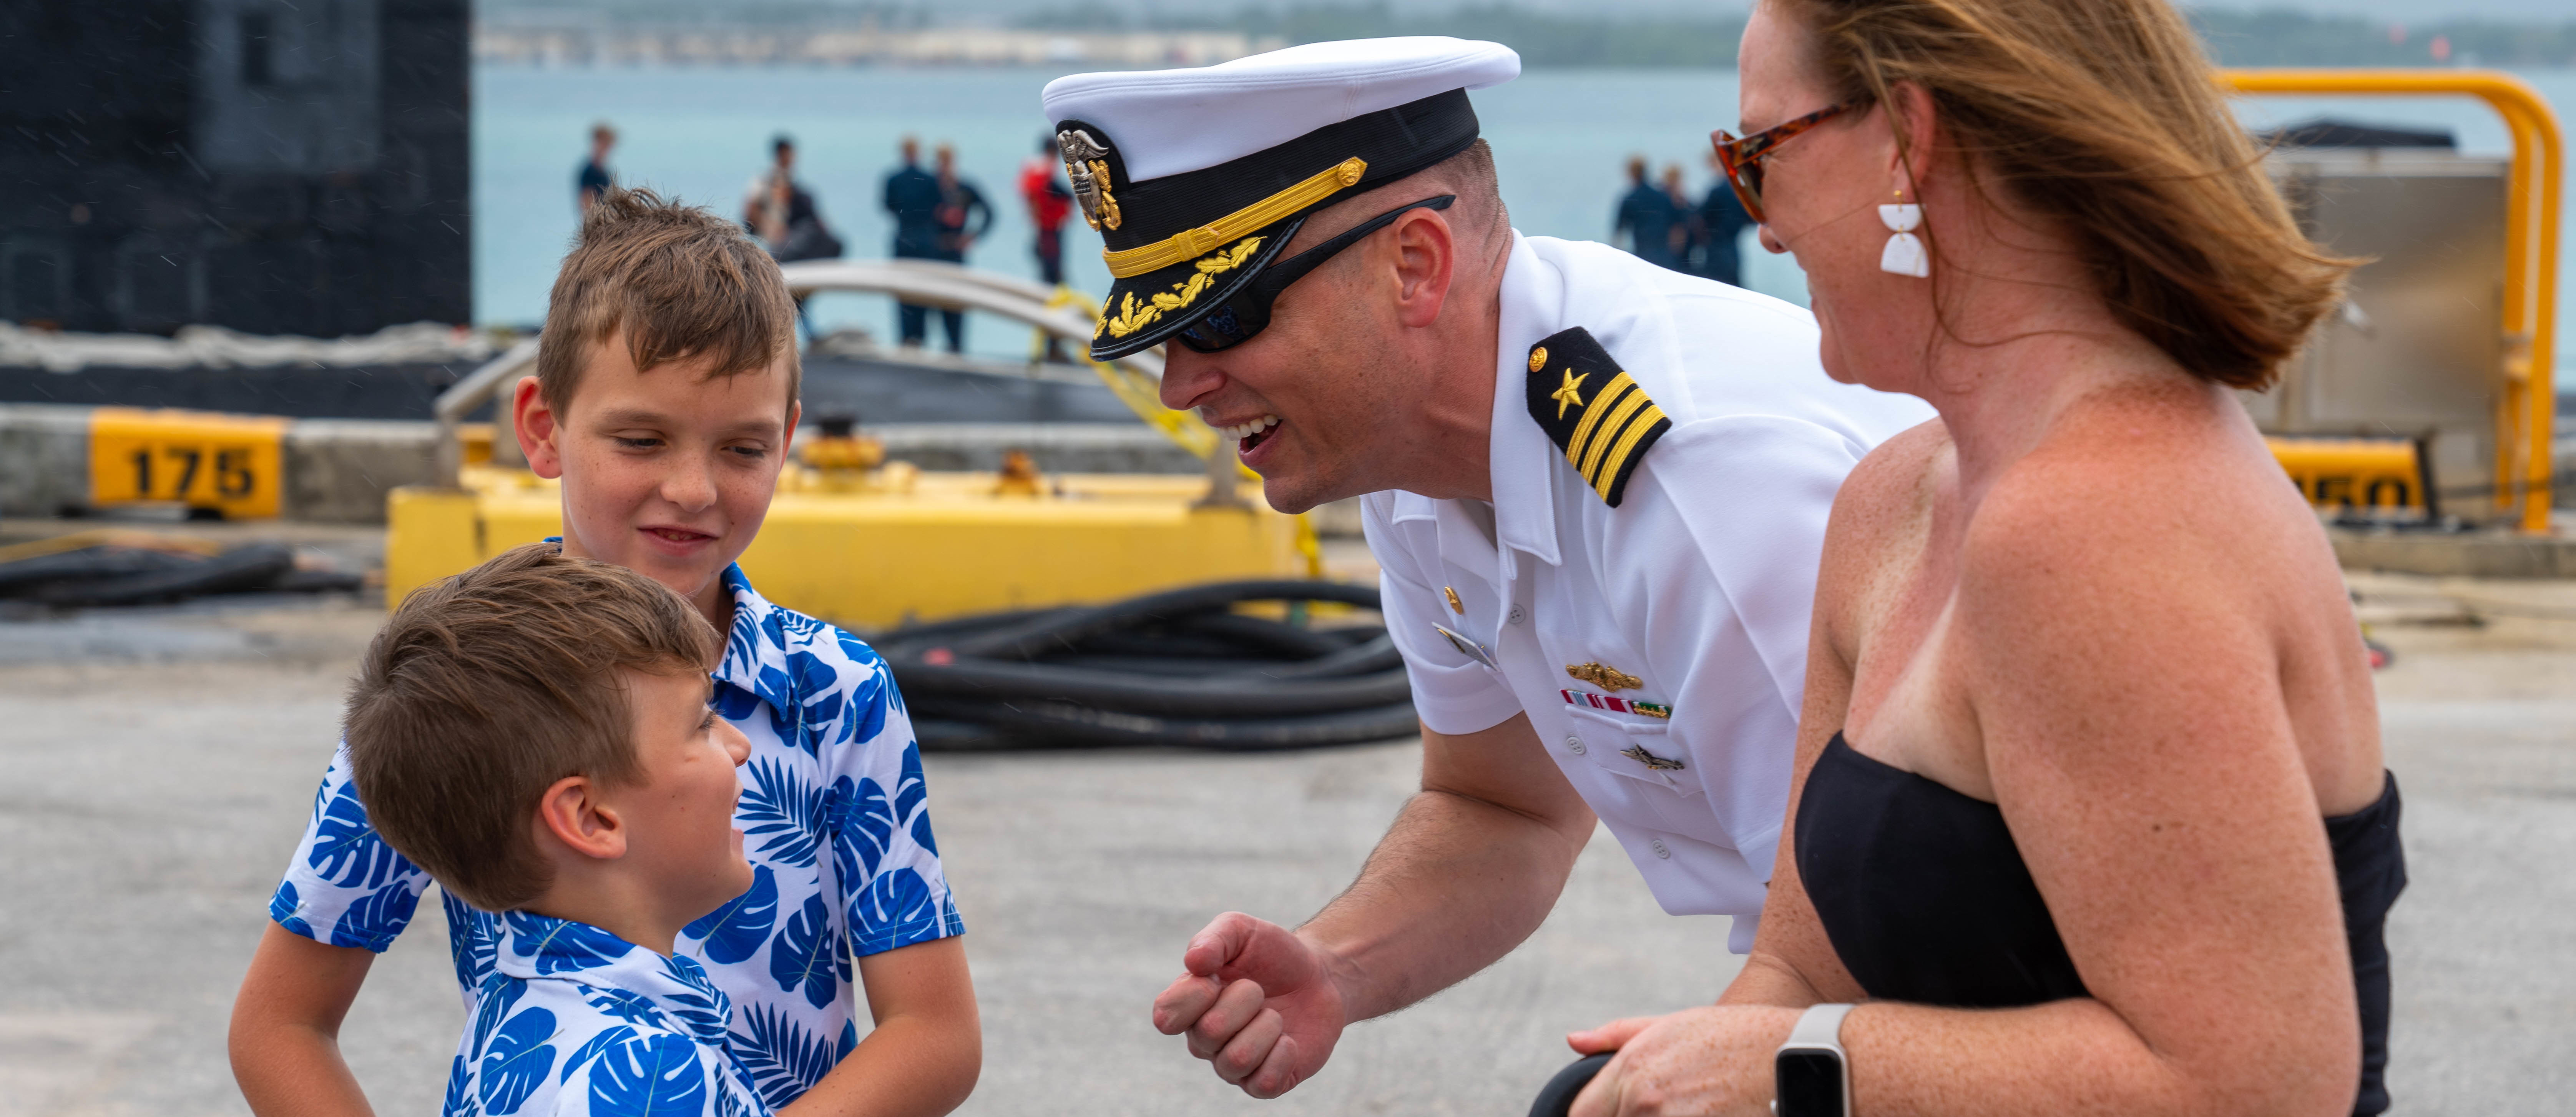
(1904,253)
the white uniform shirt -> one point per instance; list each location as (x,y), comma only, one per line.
(1699,585)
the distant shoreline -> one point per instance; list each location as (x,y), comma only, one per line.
(605,36)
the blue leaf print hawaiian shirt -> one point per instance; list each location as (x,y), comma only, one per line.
(834,824)
(575,1021)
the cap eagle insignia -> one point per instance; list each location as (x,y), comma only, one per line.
(1603,435)
(1086,163)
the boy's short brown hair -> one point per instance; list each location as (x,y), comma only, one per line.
(679,281)
(484,689)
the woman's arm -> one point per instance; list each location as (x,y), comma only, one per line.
(2121,663)
(928,1046)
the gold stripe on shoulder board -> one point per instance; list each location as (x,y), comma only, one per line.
(1603,437)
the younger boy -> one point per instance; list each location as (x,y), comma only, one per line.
(535,733)
(665,398)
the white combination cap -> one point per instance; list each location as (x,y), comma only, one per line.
(1197,178)
(1172,121)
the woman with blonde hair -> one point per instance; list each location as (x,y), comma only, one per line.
(2090,815)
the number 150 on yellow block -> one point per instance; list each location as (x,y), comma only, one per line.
(230,463)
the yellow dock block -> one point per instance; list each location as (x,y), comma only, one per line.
(873,560)
(430,533)
(2353,472)
(234,464)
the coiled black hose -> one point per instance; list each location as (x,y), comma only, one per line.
(1556,1098)
(115,574)
(1178,667)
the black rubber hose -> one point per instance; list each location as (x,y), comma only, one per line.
(1374,653)
(1377,654)
(1260,634)
(88,564)
(252,566)
(1060,632)
(1247,694)
(1059,723)
(1178,667)
(1557,1097)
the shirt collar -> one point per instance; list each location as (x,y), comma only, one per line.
(633,982)
(755,656)
(1533,301)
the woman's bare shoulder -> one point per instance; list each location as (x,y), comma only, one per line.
(2138,483)
(1882,512)
(1890,492)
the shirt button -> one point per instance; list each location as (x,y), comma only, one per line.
(1518,615)
(1662,850)
(1574,745)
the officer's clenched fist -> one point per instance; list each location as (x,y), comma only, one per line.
(1258,1003)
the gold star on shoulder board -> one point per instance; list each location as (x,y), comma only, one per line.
(1564,395)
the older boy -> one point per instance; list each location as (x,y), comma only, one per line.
(536,733)
(664,399)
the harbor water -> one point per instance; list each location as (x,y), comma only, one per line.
(1561,138)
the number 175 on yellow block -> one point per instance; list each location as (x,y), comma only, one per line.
(229,463)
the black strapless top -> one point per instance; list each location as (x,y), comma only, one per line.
(1926,899)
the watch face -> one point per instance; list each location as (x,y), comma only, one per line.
(1810,1083)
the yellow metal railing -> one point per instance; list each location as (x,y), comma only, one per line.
(2533,194)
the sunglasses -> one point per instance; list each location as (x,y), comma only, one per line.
(1247,311)
(1742,158)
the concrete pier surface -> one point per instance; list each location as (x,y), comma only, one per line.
(160,763)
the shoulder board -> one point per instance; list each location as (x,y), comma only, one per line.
(1592,410)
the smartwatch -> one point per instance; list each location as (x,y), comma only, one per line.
(1809,1076)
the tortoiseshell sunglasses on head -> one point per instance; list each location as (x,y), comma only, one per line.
(1742,158)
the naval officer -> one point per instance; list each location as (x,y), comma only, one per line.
(1596,489)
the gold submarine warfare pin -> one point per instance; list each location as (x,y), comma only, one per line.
(1604,676)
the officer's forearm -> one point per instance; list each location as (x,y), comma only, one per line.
(1459,880)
